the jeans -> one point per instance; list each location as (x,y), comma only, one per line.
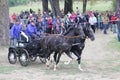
(118,34)
(93,28)
(105,28)
(13,42)
(114,26)
(100,24)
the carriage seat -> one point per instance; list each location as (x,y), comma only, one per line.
(24,39)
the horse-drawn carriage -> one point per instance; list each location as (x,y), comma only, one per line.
(26,50)
(73,40)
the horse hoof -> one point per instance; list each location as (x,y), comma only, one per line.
(81,69)
(48,65)
(66,63)
(54,69)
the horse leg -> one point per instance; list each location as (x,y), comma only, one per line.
(48,60)
(79,60)
(57,61)
(55,56)
(71,58)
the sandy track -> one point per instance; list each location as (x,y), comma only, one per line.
(98,63)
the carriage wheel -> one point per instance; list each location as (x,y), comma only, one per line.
(24,57)
(12,56)
(43,60)
(33,58)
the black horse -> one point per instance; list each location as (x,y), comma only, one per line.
(77,49)
(60,43)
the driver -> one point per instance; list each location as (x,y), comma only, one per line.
(31,30)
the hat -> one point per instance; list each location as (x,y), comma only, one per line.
(33,20)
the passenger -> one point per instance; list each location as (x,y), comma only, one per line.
(15,32)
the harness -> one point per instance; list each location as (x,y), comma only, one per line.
(49,35)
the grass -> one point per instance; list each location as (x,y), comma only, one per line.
(110,64)
(6,69)
(114,44)
(98,5)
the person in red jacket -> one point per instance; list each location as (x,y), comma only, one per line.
(50,24)
(114,25)
(14,16)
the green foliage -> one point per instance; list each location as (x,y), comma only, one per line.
(19,2)
(114,4)
(100,6)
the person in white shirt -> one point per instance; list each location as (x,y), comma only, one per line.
(92,22)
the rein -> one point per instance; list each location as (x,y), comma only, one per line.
(61,35)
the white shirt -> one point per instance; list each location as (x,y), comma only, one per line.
(92,20)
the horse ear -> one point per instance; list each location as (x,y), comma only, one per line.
(76,25)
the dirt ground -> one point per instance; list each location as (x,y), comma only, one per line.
(98,62)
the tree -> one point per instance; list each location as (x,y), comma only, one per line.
(55,7)
(84,5)
(4,23)
(68,6)
(45,5)
(117,7)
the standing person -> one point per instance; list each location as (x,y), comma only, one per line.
(54,21)
(50,25)
(118,32)
(109,15)
(62,28)
(15,32)
(114,23)
(31,30)
(93,21)
(77,10)
(40,26)
(39,13)
(118,25)
(100,24)
(45,21)
(105,23)
(96,13)
(67,22)
(72,17)
(58,25)
(14,17)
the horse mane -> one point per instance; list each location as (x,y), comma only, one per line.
(68,30)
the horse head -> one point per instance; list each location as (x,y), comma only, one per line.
(89,33)
(75,30)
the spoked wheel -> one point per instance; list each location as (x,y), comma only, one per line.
(24,57)
(33,58)
(43,60)
(12,56)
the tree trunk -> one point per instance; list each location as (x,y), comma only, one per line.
(84,5)
(117,5)
(55,7)
(45,5)
(4,23)
(68,6)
